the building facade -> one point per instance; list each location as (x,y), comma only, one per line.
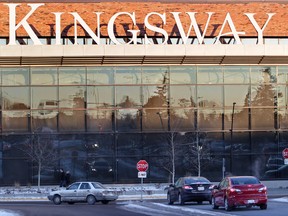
(93,87)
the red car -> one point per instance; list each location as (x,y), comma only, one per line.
(234,191)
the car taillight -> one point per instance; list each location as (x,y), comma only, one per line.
(187,187)
(232,190)
(262,189)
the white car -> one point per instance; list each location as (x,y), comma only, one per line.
(89,192)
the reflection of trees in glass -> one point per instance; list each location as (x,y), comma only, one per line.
(40,150)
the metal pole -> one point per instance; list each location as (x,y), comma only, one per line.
(141,190)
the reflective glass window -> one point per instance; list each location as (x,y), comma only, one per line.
(238,94)
(15,76)
(210,96)
(128,119)
(100,96)
(240,118)
(44,76)
(44,97)
(183,75)
(72,97)
(46,119)
(15,98)
(15,121)
(72,75)
(182,119)
(282,74)
(128,96)
(71,120)
(155,96)
(129,145)
(260,123)
(263,75)
(183,96)
(100,75)
(99,120)
(210,119)
(155,119)
(236,74)
(210,75)
(263,95)
(128,75)
(155,75)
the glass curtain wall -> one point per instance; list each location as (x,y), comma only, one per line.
(98,122)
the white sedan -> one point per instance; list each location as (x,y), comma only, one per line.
(89,192)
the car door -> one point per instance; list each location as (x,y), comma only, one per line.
(83,191)
(174,191)
(219,193)
(70,194)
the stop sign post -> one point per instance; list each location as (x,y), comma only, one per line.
(142,167)
(285,155)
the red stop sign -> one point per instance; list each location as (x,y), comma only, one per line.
(142,166)
(285,153)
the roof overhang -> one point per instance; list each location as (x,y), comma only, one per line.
(143,54)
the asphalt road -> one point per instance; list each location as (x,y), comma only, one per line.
(137,208)
(79,209)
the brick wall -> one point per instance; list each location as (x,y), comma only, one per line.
(43,20)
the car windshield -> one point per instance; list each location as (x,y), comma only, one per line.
(98,185)
(244,181)
(194,180)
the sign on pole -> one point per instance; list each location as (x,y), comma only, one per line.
(142,166)
(285,153)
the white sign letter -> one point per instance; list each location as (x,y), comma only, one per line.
(58,28)
(154,28)
(111,26)
(86,27)
(233,29)
(194,24)
(256,26)
(13,27)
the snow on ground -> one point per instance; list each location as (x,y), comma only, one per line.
(282,199)
(8,213)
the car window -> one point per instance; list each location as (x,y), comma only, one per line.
(196,180)
(178,182)
(73,186)
(244,181)
(97,185)
(85,186)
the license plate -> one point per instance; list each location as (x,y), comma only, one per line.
(251,201)
(200,188)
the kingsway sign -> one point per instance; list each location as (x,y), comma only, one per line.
(200,33)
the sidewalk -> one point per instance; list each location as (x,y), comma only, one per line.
(125,192)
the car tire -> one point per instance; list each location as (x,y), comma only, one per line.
(57,199)
(169,200)
(91,200)
(263,206)
(214,203)
(180,199)
(105,202)
(226,205)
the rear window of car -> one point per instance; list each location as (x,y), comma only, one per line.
(196,180)
(97,185)
(244,181)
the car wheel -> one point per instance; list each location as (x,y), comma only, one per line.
(105,201)
(180,199)
(214,204)
(226,205)
(263,206)
(91,200)
(169,200)
(57,200)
